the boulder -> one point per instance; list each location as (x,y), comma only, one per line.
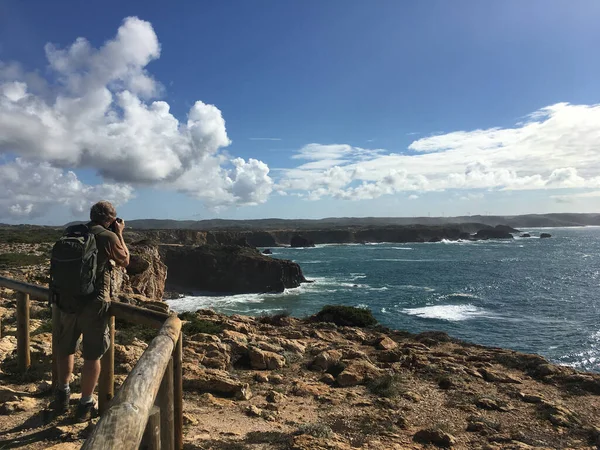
(385,343)
(262,359)
(267,251)
(358,372)
(545,235)
(300,241)
(214,381)
(525,235)
(228,268)
(326,359)
(434,436)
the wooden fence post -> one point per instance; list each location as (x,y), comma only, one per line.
(167,416)
(55,330)
(151,438)
(106,382)
(23,331)
(178,392)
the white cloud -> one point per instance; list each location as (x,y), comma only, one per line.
(30,190)
(558,148)
(98,114)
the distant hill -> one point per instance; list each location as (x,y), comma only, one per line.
(522,221)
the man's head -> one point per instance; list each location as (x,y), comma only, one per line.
(103,213)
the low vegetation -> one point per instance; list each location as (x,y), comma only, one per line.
(194,325)
(12,260)
(388,386)
(349,316)
(28,234)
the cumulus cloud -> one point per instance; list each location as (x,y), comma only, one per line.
(31,189)
(97,113)
(556,148)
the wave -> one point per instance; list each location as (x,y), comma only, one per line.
(402,248)
(312,262)
(451,313)
(411,286)
(459,295)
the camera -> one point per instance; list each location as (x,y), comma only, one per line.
(113,226)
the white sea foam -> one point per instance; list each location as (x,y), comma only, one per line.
(312,262)
(402,248)
(460,295)
(452,313)
(354,285)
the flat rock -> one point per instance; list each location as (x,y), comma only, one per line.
(265,360)
(358,372)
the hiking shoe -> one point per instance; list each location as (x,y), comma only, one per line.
(86,411)
(61,401)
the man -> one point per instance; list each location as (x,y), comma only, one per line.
(92,320)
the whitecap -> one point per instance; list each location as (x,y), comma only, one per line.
(460,295)
(452,313)
(402,248)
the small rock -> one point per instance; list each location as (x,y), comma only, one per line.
(495,377)
(261,377)
(446,383)
(327,379)
(488,403)
(276,379)
(401,422)
(385,343)
(253,411)
(531,398)
(434,436)
(188,419)
(275,397)
(271,407)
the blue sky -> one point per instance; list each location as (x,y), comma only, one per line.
(337,108)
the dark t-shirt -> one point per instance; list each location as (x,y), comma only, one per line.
(109,248)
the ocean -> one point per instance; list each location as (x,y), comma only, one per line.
(528,294)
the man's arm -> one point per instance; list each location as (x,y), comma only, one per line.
(120,253)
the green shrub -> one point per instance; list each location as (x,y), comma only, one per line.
(318,430)
(8,260)
(387,386)
(345,316)
(194,325)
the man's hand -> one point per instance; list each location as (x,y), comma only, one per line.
(119,226)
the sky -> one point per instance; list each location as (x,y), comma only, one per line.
(298,109)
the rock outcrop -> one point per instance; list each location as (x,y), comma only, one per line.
(545,235)
(493,233)
(146,273)
(227,268)
(301,241)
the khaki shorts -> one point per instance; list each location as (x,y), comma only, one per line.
(93,326)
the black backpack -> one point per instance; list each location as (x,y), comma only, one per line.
(73,267)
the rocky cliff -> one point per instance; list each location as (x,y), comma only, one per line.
(349,235)
(227,268)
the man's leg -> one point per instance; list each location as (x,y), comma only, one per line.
(89,377)
(65,369)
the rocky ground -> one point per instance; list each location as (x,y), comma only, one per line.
(284,383)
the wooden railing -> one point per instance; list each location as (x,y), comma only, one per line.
(131,417)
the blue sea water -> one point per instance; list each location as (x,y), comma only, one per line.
(532,295)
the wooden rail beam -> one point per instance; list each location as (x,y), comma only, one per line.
(106,383)
(123,424)
(167,415)
(23,353)
(178,394)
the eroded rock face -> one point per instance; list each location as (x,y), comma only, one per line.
(146,273)
(228,268)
